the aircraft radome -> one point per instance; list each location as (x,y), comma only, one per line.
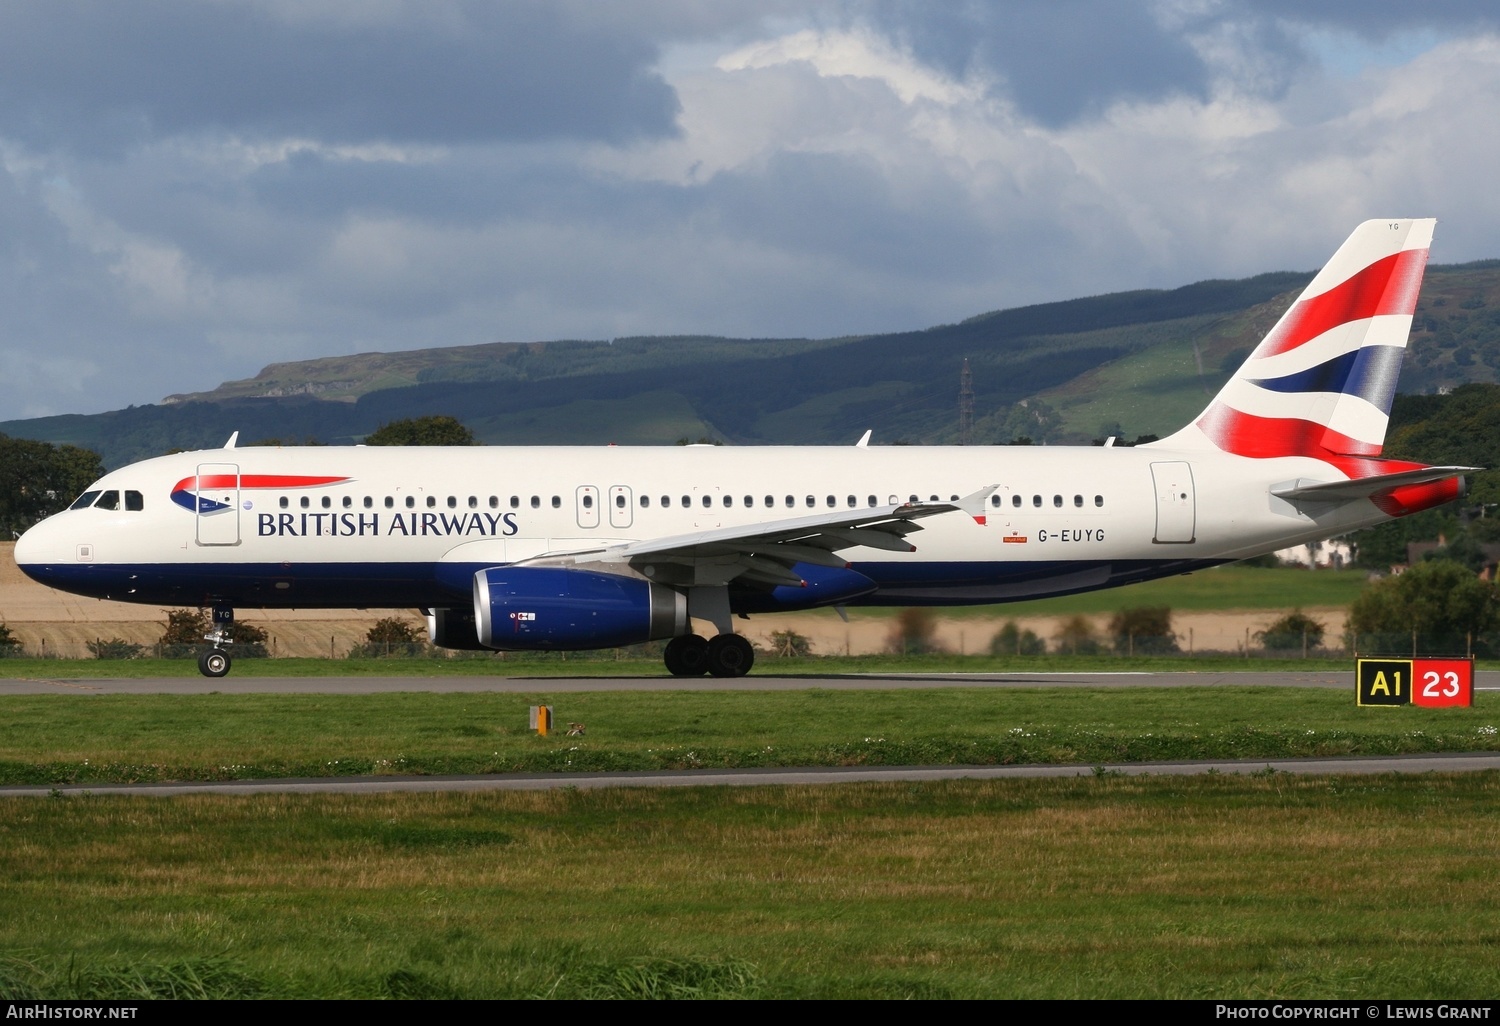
(546,548)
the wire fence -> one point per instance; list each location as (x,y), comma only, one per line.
(1449,644)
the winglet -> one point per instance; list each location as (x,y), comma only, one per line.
(864,439)
(974,504)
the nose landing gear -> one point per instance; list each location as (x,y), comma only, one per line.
(216,662)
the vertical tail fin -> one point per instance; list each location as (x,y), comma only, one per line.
(1321,383)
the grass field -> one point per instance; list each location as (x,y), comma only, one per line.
(122,738)
(1252,887)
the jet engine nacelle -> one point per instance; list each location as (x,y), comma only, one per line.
(551,608)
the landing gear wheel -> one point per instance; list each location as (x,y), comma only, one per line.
(687,656)
(214,663)
(730,655)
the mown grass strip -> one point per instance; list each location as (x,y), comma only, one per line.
(82,739)
(1256,886)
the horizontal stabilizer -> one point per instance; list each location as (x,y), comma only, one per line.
(1364,487)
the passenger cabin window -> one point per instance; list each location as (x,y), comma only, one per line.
(1098,500)
(453,502)
(494,502)
(536,502)
(1015,500)
(687,500)
(411,502)
(432,502)
(327,502)
(873,503)
(1057,501)
(1078,501)
(369,502)
(515,502)
(994,500)
(831,502)
(645,501)
(749,501)
(557,502)
(707,502)
(285,502)
(770,501)
(1036,500)
(728,501)
(86,500)
(306,503)
(348,501)
(666,502)
(390,503)
(853,502)
(791,500)
(811,502)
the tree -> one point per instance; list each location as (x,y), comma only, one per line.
(1013,640)
(1437,599)
(1293,631)
(437,430)
(913,633)
(114,648)
(1075,636)
(38,479)
(9,644)
(788,644)
(391,636)
(1144,630)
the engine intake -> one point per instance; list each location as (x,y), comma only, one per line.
(554,608)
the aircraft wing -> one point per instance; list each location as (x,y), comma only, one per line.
(766,552)
(1363,487)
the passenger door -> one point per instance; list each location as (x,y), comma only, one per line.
(1176,505)
(218,503)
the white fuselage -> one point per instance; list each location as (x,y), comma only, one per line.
(407,527)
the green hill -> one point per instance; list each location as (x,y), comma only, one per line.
(1133,363)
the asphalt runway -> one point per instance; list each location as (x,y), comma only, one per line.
(791,776)
(246,685)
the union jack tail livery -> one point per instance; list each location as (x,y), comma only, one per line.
(1320,384)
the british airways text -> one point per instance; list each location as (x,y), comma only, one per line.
(360,525)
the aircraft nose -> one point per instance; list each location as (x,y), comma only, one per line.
(41,546)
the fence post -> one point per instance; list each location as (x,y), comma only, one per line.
(1304,643)
(1413,642)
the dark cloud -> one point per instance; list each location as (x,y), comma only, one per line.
(92,74)
(1058,59)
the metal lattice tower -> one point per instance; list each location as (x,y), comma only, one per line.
(965,404)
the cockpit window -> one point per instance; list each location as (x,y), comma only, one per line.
(109,500)
(85,500)
(134,502)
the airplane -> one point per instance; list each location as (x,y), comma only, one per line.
(563,548)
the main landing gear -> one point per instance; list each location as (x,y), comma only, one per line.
(727,655)
(216,662)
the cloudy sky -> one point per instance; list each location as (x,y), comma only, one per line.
(190,189)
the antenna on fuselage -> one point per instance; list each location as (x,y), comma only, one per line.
(864,439)
(232,439)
